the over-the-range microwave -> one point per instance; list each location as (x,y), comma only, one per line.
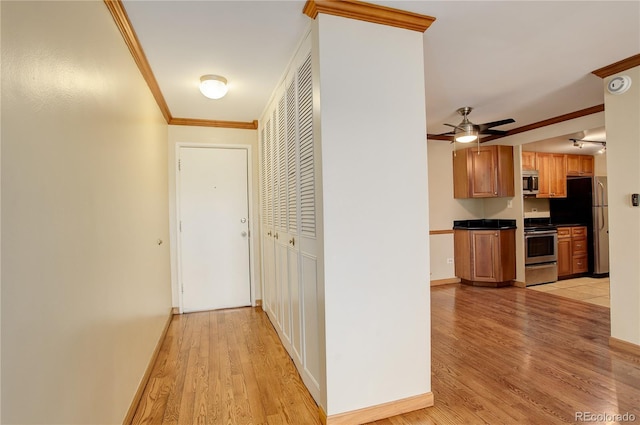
(529,182)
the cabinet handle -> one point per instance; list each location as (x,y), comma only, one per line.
(292,241)
(276,235)
(269,233)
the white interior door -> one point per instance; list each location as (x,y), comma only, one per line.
(214,227)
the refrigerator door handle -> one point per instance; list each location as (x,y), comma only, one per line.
(601,202)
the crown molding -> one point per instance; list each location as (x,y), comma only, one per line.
(213,123)
(614,68)
(131,39)
(539,124)
(121,19)
(369,12)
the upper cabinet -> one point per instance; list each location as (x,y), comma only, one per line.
(552,173)
(483,172)
(579,165)
(528,161)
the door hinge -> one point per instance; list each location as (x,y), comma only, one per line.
(180,225)
(179,165)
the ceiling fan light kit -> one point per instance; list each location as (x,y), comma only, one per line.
(467,132)
(213,86)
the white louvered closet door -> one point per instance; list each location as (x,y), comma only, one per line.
(289,221)
(268,254)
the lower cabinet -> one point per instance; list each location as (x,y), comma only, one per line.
(485,257)
(572,251)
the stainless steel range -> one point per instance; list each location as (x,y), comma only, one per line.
(541,256)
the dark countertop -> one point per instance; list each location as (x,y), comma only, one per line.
(569,224)
(484,224)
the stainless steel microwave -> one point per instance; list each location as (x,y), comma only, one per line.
(529,182)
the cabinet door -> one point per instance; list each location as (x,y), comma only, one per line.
(586,165)
(529,161)
(485,251)
(564,257)
(482,172)
(558,176)
(543,165)
(573,165)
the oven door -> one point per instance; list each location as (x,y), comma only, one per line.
(540,246)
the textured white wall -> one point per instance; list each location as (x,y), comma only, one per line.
(375,213)
(622,114)
(85,286)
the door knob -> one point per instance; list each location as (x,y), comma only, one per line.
(243,220)
(244,233)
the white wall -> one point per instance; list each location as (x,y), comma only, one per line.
(212,136)
(443,208)
(85,286)
(623,155)
(375,213)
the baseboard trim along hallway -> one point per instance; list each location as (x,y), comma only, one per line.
(627,347)
(380,411)
(128,419)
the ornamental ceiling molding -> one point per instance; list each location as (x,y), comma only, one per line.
(369,13)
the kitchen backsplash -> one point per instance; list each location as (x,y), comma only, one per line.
(534,207)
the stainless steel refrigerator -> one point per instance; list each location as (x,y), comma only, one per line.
(600,226)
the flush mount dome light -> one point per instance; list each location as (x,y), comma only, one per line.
(213,86)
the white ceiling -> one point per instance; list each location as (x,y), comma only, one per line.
(526,60)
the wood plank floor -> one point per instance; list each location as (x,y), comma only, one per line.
(499,356)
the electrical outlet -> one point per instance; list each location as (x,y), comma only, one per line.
(509,203)
(449,260)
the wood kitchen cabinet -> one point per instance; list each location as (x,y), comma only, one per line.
(528,161)
(483,172)
(485,257)
(552,181)
(580,165)
(572,251)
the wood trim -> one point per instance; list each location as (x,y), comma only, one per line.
(625,346)
(322,415)
(440,282)
(212,123)
(382,411)
(369,13)
(128,419)
(519,284)
(121,18)
(539,124)
(441,232)
(614,68)
(175,310)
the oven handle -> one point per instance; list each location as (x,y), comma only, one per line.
(540,233)
(541,265)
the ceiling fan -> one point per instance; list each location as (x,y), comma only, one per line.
(467,132)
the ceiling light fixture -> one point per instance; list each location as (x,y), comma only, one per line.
(213,86)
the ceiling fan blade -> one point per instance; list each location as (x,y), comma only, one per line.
(496,123)
(451,125)
(494,132)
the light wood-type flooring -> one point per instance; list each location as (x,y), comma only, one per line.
(499,356)
(588,289)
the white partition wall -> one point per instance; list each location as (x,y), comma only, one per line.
(344,217)
(374,213)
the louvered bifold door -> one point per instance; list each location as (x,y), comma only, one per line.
(281,236)
(293,208)
(307,222)
(268,261)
